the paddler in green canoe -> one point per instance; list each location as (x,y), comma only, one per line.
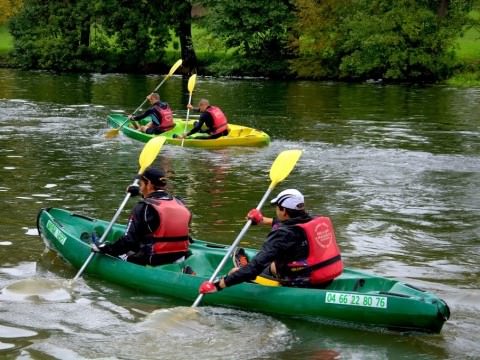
(158,228)
(301,250)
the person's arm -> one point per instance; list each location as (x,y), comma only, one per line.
(258,218)
(136,230)
(271,248)
(198,125)
(141,116)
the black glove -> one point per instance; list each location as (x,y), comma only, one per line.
(104,248)
(134,190)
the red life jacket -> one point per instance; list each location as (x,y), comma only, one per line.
(220,122)
(172,234)
(324,262)
(164,117)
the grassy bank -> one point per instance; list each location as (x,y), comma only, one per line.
(6,41)
(468,54)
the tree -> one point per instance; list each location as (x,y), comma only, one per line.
(258,30)
(8,8)
(394,40)
(181,21)
(127,35)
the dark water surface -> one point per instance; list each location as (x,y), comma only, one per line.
(396,167)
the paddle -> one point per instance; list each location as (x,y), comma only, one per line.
(191,85)
(147,156)
(281,167)
(114,132)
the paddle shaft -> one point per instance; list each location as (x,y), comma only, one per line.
(107,230)
(188,115)
(234,245)
(138,108)
(144,101)
(158,87)
(172,70)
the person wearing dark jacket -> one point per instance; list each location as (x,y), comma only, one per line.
(212,117)
(158,228)
(301,250)
(160,113)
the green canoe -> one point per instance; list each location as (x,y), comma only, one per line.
(353,299)
(238,135)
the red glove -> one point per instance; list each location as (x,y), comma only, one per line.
(209,287)
(256,216)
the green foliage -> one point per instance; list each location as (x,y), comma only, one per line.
(8,8)
(88,35)
(259,30)
(6,41)
(394,40)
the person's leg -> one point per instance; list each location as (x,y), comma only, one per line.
(160,259)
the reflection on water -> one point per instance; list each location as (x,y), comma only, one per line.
(396,167)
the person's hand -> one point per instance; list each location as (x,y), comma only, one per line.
(256,216)
(134,190)
(130,117)
(189,106)
(209,287)
(104,248)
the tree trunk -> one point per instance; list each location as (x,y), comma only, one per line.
(443,8)
(85,33)
(184,31)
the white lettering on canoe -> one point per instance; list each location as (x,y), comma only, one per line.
(56,232)
(356,299)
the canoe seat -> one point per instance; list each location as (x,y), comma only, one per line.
(204,265)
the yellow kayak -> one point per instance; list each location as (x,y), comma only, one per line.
(238,135)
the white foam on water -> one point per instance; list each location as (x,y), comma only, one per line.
(49,186)
(5,243)
(14,156)
(32,231)
(9,167)
(36,289)
(24,197)
(21,270)
(8,332)
(5,346)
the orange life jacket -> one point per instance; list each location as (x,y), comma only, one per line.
(220,122)
(172,234)
(164,117)
(324,262)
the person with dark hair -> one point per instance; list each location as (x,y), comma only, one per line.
(212,117)
(301,250)
(158,228)
(160,113)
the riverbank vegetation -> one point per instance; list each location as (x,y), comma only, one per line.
(348,40)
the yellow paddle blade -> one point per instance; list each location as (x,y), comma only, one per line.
(283,165)
(175,67)
(111,133)
(191,83)
(150,152)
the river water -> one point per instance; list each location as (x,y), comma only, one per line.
(396,167)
